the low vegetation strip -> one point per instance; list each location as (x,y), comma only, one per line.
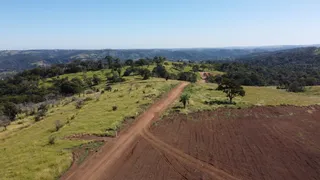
(205,96)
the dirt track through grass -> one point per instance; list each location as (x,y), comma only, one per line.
(98,166)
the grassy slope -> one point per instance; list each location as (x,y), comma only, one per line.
(25,153)
(254,96)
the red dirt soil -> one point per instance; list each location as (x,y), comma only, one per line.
(103,163)
(256,143)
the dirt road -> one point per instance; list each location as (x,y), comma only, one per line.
(102,163)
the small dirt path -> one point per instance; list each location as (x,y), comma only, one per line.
(96,166)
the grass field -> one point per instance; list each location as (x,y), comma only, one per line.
(200,93)
(24,148)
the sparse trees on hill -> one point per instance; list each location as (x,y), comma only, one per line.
(187,76)
(10,110)
(231,88)
(160,71)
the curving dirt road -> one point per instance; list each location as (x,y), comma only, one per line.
(98,166)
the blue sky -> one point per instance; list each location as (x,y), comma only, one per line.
(99,24)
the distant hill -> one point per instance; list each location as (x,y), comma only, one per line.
(281,68)
(15,60)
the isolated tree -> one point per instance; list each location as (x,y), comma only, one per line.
(160,71)
(145,73)
(231,88)
(11,110)
(184,98)
(295,87)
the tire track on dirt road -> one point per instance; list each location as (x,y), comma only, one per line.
(185,158)
(98,166)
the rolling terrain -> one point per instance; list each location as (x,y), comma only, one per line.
(139,128)
(17,60)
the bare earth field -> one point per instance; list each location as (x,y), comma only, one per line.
(256,143)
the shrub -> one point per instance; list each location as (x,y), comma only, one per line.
(96,80)
(79,104)
(37,118)
(10,110)
(295,87)
(58,125)
(102,92)
(51,140)
(43,107)
(184,98)
(114,108)
(187,76)
(108,88)
(4,122)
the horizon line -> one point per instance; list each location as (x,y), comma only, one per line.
(176,48)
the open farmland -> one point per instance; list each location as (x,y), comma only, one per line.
(253,143)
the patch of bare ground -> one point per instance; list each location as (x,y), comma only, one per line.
(255,143)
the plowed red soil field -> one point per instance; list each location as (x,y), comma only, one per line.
(255,143)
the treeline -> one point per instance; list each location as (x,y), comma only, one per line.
(289,69)
(33,85)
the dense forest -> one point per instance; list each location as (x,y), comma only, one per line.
(288,69)
(12,60)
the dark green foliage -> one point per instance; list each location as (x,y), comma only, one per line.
(276,68)
(159,60)
(295,87)
(231,88)
(187,76)
(96,80)
(114,108)
(129,62)
(145,73)
(141,62)
(195,68)
(73,86)
(160,71)
(108,88)
(184,99)
(115,78)
(128,72)
(10,110)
